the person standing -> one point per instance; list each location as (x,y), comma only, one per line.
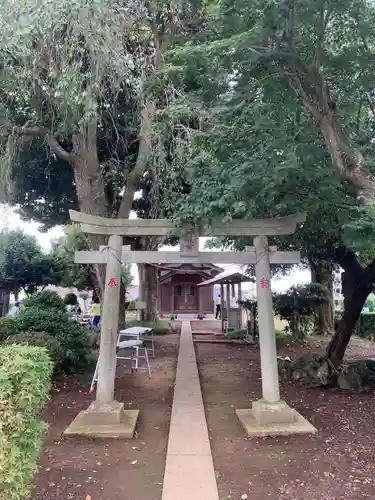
(95,314)
(15,309)
(218,307)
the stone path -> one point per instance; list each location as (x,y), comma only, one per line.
(189,471)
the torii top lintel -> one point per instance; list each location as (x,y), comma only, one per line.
(92,224)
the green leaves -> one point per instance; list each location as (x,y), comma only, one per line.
(23,263)
(68,273)
(25,381)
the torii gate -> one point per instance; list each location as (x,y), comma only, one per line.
(106,417)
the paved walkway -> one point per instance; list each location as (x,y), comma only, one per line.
(189,471)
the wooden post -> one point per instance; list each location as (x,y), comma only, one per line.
(239,300)
(228,304)
(222,307)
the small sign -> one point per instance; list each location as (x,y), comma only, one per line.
(112,283)
(265,283)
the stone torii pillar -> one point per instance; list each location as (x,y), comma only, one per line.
(269,416)
(106,417)
(267,340)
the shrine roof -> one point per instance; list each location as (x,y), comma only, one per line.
(228,277)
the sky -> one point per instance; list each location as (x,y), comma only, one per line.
(10,220)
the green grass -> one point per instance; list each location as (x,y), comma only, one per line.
(284,338)
(160,326)
(236,334)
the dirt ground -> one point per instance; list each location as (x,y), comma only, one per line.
(111,469)
(337,463)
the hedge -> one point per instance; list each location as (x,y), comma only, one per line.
(159,326)
(44,321)
(42,339)
(25,381)
(73,338)
(45,300)
(366,326)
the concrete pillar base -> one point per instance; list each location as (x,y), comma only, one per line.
(272,413)
(273,419)
(108,420)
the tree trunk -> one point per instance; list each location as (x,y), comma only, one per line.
(150,291)
(122,310)
(296,328)
(347,159)
(90,187)
(141,290)
(322,273)
(355,291)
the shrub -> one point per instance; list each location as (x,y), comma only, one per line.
(366,326)
(8,327)
(42,339)
(25,378)
(236,334)
(130,305)
(298,306)
(45,300)
(73,338)
(160,326)
(70,299)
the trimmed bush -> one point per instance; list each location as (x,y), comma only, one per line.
(70,299)
(130,305)
(160,326)
(25,381)
(366,326)
(8,327)
(45,300)
(236,334)
(42,339)
(72,337)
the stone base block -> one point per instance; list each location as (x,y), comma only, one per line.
(272,413)
(288,421)
(104,421)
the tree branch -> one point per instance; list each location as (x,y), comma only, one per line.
(37,131)
(324,16)
(56,147)
(347,259)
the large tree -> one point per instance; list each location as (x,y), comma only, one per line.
(316,53)
(82,73)
(23,264)
(258,153)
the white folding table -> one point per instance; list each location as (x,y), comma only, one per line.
(139,332)
(135,345)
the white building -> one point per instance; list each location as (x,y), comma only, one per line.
(338,298)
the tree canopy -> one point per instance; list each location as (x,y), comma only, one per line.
(23,264)
(215,109)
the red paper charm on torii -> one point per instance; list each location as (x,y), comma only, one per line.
(112,283)
(265,283)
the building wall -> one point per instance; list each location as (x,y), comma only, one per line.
(166,294)
(4,302)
